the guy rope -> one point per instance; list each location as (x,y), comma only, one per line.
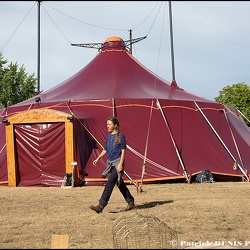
(144,170)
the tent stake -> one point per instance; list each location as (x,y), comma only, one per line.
(134,183)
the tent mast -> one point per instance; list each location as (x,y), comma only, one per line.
(38,49)
(172,45)
(130,36)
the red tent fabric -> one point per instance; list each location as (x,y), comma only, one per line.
(174,133)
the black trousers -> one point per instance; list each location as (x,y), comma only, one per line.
(111,182)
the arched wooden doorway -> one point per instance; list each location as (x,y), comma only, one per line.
(59,124)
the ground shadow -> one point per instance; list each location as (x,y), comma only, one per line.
(153,204)
(147,205)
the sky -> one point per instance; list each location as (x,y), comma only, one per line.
(210,39)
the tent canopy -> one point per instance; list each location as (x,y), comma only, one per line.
(114,73)
(173,133)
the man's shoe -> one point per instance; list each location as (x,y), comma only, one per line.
(97,208)
(130,206)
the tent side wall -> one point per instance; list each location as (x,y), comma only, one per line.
(195,141)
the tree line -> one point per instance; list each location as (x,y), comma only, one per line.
(16,85)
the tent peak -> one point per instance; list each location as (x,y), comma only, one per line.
(113,38)
(113,42)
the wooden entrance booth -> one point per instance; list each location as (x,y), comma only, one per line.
(37,116)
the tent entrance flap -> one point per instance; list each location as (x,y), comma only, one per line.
(21,124)
(40,154)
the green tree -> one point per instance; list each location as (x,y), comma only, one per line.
(2,70)
(15,84)
(237,96)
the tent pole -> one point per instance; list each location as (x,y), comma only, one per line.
(130,39)
(113,106)
(144,170)
(242,115)
(242,170)
(235,143)
(177,152)
(38,48)
(171,40)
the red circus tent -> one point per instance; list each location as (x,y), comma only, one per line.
(170,133)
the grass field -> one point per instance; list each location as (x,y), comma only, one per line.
(208,215)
